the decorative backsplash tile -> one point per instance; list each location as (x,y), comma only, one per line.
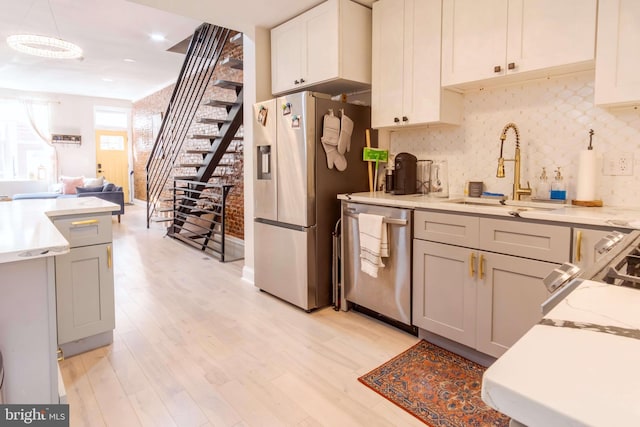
(553,116)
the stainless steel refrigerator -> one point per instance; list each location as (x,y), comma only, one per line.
(295,204)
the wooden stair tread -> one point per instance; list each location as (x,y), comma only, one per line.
(159,219)
(236,40)
(189,165)
(234,63)
(227,84)
(213,121)
(219,103)
(205,136)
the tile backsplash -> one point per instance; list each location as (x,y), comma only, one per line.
(553,116)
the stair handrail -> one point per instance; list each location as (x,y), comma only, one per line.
(203,53)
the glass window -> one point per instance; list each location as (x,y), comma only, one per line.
(24,154)
(106,118)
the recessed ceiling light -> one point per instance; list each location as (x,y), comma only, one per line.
(129,60)
(157,37)
(107,79)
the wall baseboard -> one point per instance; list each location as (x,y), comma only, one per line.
(247,275)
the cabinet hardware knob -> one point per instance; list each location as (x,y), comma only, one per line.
(109,257)
(511,65)
(85,222)
(396,120)
(481,267)
(60,355)
(497,69)
(405,119)
(296,82)
(579,246)
(472,264)
(301,80)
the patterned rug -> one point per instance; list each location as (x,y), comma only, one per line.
(436,386)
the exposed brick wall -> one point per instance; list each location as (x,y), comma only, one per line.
(143,111)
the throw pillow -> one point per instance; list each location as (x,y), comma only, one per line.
(69,184)
(88,189)
(94,182)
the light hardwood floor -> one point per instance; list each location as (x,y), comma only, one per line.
(197,346)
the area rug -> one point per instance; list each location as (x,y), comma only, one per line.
(436,386)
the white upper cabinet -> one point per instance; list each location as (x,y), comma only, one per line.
(327,48)
(618,53)
(406,86)
(515,39)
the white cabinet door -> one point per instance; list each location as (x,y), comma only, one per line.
(84,292)
(618,53)
(510,292)
(474,40)
(520,38)
(387,58)
(444,290)
(550,33)
(286,55)
(327,48)
(320,36)
(406,89)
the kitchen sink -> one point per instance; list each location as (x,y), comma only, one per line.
(513,207)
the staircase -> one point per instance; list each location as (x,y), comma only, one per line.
(199,146)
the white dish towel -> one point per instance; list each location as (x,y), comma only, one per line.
(374,244)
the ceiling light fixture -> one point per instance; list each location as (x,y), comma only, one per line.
(156,37)
(45,46)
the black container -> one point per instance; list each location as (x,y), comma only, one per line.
(404,175)
(388,181)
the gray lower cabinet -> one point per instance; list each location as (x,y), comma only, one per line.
(471,295)
(84,284)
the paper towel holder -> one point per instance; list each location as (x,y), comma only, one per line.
(588,203)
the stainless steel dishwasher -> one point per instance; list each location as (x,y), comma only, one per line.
(388,295)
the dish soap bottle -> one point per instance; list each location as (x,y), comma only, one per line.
(543,186)
(558,190)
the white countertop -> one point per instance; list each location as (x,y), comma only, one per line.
(27,231)
(624,217)
(574,374)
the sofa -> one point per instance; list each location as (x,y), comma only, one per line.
(107,191)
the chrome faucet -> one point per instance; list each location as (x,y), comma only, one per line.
(518,191)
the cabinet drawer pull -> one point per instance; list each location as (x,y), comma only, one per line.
(497,69)
(579,246)
(511,65)
(297,82)
(302,80)
(60,355)
(109,257)
(396,120)
(85,222)
(405,119)
(481,266)
(472,264)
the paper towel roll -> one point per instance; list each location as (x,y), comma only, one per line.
(586,185)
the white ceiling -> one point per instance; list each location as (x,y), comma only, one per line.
(110,31)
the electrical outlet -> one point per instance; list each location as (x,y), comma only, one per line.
(618,164)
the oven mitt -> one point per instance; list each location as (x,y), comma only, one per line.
(346,129)
(330,134)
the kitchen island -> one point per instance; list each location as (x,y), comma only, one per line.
(28,320)
(575,368)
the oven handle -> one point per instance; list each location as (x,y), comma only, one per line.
(612,273)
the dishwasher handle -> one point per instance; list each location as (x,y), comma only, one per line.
(391,221)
